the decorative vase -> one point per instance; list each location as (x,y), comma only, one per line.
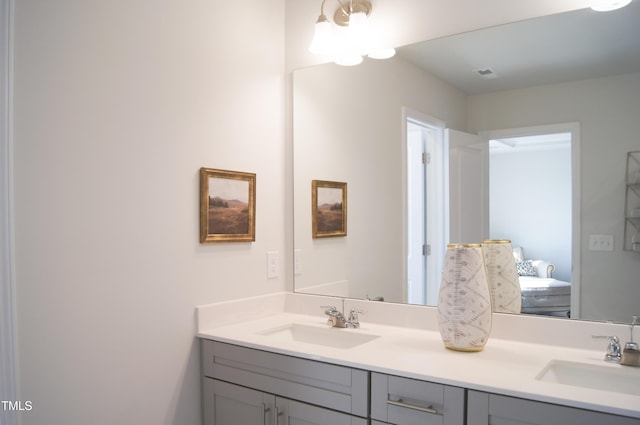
(464,302)
(502,276)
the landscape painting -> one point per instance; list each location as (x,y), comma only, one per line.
(329,208)
(227,206)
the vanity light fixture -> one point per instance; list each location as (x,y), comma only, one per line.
(607,5)
(348,38)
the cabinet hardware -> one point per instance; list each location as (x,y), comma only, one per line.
(402,403)
(265,410)
(278,414)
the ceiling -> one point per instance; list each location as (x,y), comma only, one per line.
(558,48)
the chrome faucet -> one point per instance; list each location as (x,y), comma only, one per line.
(337,319)
(614,353)
(631,352)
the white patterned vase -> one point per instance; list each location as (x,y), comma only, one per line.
(464,302)
(502,276)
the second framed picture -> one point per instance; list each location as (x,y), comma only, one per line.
(329,209)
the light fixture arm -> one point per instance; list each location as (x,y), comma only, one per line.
(341,17)
(342,8)
(322,18)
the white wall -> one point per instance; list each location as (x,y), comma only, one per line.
(117,105)
(606,109)
(348,127)
(530,203)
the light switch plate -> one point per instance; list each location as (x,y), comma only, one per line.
(273,264)
(600,242)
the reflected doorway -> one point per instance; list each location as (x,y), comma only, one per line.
(535,200)
(530,196)
(426,208)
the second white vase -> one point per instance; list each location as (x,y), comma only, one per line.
(502,276)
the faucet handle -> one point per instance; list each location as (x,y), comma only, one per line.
(329,309)
(614,353)
(353,314)
(352,321)
(632,345)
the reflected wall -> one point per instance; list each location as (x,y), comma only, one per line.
(607,110)
(348,127)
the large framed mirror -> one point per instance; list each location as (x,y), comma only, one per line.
(576,72)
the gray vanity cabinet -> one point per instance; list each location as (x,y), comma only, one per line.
(245,386)
(248,386)
(492,409)
(229,404)
(225,403)
(404,401)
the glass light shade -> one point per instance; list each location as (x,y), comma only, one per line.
(384,53)
(346,51)
(348,60)
(358,32)
(607,5)
(323,38)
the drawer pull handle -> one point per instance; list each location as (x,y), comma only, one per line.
(265,410)
(402,403)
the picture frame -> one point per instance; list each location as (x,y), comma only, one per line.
(227,206)
(329,209)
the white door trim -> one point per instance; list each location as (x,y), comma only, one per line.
(574,129)
(8,326)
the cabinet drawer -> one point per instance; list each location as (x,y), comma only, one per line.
(490,409)
(405,401)
(335,387)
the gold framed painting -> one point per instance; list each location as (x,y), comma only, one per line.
(227,206)
(329,209)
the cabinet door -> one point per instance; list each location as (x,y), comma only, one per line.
(493,409)
(335,387)
(290,412)
(403,401)
(228,404)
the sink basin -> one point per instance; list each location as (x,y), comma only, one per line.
(620,379)
(328,337)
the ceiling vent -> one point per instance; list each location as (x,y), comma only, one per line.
(486,73)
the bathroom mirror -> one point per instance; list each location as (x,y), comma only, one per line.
(349,128)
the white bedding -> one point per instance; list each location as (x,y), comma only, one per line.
(533,283)
(545,296)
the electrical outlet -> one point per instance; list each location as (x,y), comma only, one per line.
(600,242)
(273,264)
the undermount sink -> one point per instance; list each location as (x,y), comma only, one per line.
(615,378)
(328,337)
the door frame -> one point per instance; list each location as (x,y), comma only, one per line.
(574,129)
(8,325)
(436,258)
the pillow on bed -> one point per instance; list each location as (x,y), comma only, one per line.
(525,268)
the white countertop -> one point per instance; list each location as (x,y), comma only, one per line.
(503,367)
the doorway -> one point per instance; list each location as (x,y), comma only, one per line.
(426,209)
(534,196)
